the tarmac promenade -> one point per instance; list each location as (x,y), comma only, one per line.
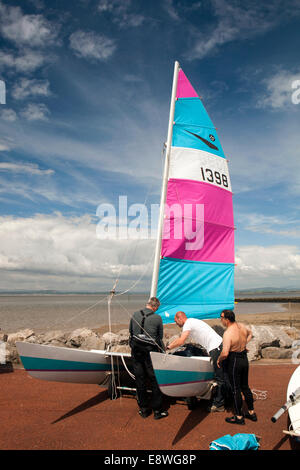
(39,415)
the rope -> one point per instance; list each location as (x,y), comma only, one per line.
(259,394)
(128,371)
(86,310)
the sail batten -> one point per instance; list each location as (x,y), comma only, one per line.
(196,272)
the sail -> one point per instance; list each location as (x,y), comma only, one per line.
(196,270)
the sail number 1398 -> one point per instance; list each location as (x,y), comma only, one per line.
(214,177)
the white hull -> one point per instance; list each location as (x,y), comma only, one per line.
(294,410)
(179,376)
(60,364)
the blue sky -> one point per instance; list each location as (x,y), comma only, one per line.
(88,88)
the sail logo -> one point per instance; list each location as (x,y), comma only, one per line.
(296,93)
(183,223)
(205,141)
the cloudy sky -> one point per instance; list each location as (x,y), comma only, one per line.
(88,87)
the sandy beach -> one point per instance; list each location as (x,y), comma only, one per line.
(39,415)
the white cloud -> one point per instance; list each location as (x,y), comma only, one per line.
(24,168)
(8,115)
(259,266)
(91,45)
(120,11)
(60,252)
(3,147)
(35,112)
(49,248)
(25,61)
(171,10)
(28,30)
(279,225)
(234,20)
(30,87)
(278,90)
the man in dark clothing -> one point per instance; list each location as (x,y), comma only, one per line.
(234,351)
(146,334)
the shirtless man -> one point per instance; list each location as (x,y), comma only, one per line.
(234,350)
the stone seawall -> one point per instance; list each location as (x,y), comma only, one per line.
(272,342)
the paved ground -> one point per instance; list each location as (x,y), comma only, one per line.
(43,415)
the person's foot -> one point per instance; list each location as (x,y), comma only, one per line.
(251,416)
(235,420)
(160,414)
(145,413)
(215,408)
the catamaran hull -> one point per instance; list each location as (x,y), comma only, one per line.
(60,364)
(179,376)
(294,410)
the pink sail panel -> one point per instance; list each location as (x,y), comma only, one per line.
(199,226)
(217,202)
(184,88)
(211,243)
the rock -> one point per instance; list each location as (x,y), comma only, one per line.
(110,339)
(121,348)
(276,353)
(77,337)
(53,337)
(253,348)
(219,330)
(22,335)
(293,332)
(3,337)
(296,355)
(268,336)
(296,344)
(123,337)
(93,342)
(11,354)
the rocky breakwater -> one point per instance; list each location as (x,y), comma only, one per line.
(268,342)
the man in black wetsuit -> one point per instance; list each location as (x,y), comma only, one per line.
(146,334)
(234,351)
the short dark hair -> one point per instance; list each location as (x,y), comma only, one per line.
(229,315)
(154,302)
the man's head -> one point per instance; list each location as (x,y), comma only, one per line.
(227,317)
(180,318)
(153,303)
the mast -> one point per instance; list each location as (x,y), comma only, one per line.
(164,183)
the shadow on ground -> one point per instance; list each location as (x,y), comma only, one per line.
(99,398)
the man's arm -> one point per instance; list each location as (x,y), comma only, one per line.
(179,341)
(249,333)
(225,349)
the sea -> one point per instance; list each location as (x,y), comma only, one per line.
(45,312)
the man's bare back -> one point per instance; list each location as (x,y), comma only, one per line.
(237,336)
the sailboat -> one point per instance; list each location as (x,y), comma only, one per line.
(193,271)
(194,255)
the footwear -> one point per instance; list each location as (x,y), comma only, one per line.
(215,408)
(160,414)
(253,417)
(235,420)
(145,413)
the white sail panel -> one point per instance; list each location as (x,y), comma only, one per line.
(198,165)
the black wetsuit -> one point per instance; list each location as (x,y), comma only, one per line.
(237,367)
(146,333)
